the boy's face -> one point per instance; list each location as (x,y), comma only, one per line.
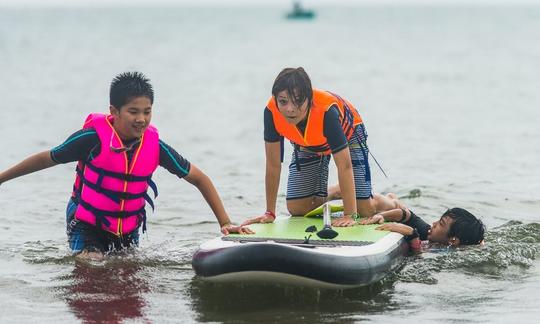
(132,119)
(439,230)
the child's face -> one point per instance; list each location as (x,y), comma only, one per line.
(132,119)
(292,113)
(439,230)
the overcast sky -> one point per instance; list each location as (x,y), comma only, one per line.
(306,3)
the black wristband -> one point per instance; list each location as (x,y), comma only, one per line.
(411,237)
(403,215)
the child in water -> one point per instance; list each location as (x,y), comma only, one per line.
(117,154)
(455,227)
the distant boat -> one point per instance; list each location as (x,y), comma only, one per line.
(300,13)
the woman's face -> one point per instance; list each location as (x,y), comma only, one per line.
(292,113)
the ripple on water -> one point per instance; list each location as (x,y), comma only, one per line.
(169,253)
(509,251)
(50,252)
(414,193)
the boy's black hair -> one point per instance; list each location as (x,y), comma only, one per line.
(297,83)
(128,85)
(466,227)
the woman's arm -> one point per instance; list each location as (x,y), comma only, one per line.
(346,185)
(273,174)
(271,182)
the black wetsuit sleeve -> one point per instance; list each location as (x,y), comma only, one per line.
(172,161)
(332,130)
(270,132)
(80,146)
(421,226)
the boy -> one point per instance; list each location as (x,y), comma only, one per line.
(455,227)
(117,155)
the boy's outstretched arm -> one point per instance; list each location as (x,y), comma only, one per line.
(393,215)
(200,180)
(33,163)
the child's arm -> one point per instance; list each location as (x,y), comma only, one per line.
(33,163)
(200,180)
(273,174)
(346,185)
(411,235)
(398,228)
(393,215)
(271,182)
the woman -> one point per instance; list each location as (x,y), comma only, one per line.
(319,124)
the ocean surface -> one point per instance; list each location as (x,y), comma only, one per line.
(450,97)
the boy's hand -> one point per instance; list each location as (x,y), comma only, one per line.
(230,228)
(375,219)
(344,221)
(396,227)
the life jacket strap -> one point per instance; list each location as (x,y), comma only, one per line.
(100,213)
(296,159)
(347,122)
(77,190)
(115,196)
(282,148)
(366,151)
(149,200)
(117,175)
(153,186)
(142,218)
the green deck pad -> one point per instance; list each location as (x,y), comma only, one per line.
(294,228)
(319,210)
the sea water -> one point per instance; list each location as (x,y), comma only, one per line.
(449,96)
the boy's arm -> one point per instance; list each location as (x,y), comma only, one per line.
(200,180)
(398,228)
(31,164)
(393,215)
(411,235)
(77,147)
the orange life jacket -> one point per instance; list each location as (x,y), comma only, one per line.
(313,138)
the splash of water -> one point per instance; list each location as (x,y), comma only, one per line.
(173,254)
(509,250)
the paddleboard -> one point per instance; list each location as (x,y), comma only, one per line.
(319,210)
(283,252)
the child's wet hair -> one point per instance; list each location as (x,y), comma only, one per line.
(466,227)
(297,83)
(129,85)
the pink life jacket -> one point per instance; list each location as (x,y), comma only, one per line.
(111,192)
